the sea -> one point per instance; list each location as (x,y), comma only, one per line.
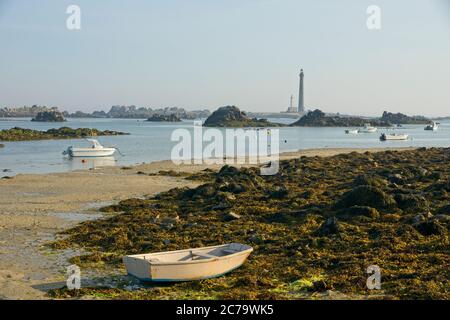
(151,141)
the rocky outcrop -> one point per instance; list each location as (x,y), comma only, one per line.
(164,118)
(21,134)
(231,116)
(317,118)
(400,118)
(49,116)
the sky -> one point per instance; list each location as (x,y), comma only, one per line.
(209,53)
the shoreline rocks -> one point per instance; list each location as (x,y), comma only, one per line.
(21,134)
(164,118)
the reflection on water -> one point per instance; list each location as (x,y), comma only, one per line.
(90,163)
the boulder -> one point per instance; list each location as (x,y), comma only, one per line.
(411,202)
(362,211)
(431,227)
(329,226)
(366,196)
(365,180)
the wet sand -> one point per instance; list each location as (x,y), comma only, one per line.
(33,208)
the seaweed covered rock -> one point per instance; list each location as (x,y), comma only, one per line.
(411,202)
(21,134)
(362,211)
(431,227)
(366,180)
(366,196)
(443,210)
(329,226)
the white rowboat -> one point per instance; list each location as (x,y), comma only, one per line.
(386,137)
(356,131)
(187,265)
(96,150)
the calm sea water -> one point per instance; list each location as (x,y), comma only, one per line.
(150,141)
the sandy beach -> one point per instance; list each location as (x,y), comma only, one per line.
(33,208)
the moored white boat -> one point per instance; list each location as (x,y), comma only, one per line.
(96,150)
(394,136)
(432,127)
(356,131)
(368,129)
(187,265)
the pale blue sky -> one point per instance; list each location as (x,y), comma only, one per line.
(208,53)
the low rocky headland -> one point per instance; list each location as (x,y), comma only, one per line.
(49,116)
(164,118)
(315,228)
(317,118)
(232,117)
(21,134)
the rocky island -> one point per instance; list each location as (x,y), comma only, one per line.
(231,116)
(317,118)
(400,118)
(21,134)
(49,116)
(164,118)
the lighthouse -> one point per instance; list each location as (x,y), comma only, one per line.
(301,101)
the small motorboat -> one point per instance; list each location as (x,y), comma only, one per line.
(393,136)
(187,265)
(356,131)
(432,127)
(96,150)
(368,129)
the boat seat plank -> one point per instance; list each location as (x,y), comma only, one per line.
(229,251)
(203,255)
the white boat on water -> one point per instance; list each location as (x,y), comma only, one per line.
(394,136)
(187,265)
(368,129)
(432,127)
(96,150)
(355,131)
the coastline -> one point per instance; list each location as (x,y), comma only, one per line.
(34,207)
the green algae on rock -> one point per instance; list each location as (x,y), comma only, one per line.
(304,243)
(21,134)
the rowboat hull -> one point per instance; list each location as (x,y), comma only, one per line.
(394,137)
(184,265)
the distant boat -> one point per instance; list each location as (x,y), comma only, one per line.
(432,127)
(96,150)
(355,131)
(187,265)
(394,136)
(368,129)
